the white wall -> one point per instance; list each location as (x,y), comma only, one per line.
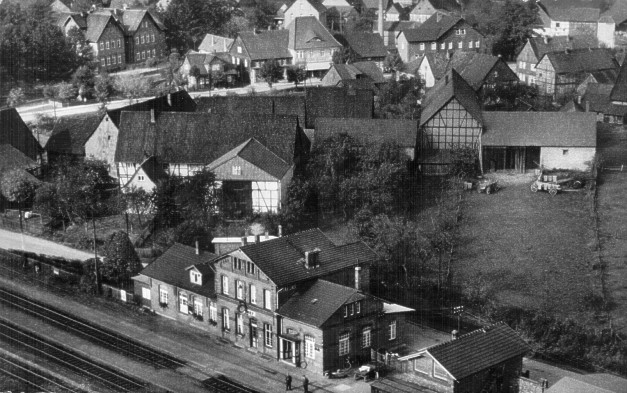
(605,34)
(577,158)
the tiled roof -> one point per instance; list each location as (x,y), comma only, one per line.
(366,44)
(14,132)
(544,45)
(442,5)
(571,13)
(619,92)
(338,102)
(258,155)
(582,60)
(553,129)
(571,106)
(201,60)
(308,33)
(270,105)
(374,4)
(437,62)
(131,19)
(179,101)
(317,5)
(370,69)
(201,138)
(266,44)
(399,25)
(171,268)
(70,133)
(314,303)
(153,168)
(597,97)
(282,259)
(370,131)
(452,85)
(479,350)
(618,11)
(572,385)
(12,158)
(476,67)
(214,43)
(432,29)
(96,23)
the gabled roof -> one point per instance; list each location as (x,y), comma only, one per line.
(201,60)
(544,45)
(338,102)
(366,44)
(179,101)
(452,85)
(201,138)
(171,268)
(214,43)
(269,105)
(619,92)
(571,13)
(14,132)
(437,62)
(552,129)
(374,4)
(618,11)
(12,158)
(259,156)
(597,96)
(70,133)
(370,131)
(476,67)
(153,168)
(315,302)
(582,60)
(317,5)
(266,44)
(571,106)
(96,24)
(399,25)
(361,69)
(308,33)
(282,259)
(78,18)
(440,5)
(131,19)
(395,8)
(433,28)
(479,350)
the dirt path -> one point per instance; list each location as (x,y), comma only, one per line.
(612,210)
(12,240)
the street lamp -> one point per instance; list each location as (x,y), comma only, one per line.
(458,311)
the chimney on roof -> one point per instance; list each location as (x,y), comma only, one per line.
(244,240)
(169,99)
(257,239)
(266,235)
(280,230)
(454,335)
(358,276)
(152,116)
(380,19)
(311,258)
(545,39)
(587,106)
(197,248)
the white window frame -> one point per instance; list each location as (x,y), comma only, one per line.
(183,303)
(196,277)
(253,294)
(358,307)
(477,44)
(213,312)
(469,44)
(267,299)
(138,56)
(107,45)
(152,38)
(225,285)
(101,45)
(443,45)
(239,49)
(119,43)
(267,335)
(366,337)
(142,39)
(422,46)
(163,296)
(239,324)
(239,290)
(198,306)
(154,53)
(119,59)
(250,267)
(434,45)
(226,323)
(137,40)
(344,344)
(460,45)
(113,59)
(392,330)
(310,347)
(236,170)
(146,293)
(103,62)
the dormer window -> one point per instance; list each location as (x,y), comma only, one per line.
(195,277)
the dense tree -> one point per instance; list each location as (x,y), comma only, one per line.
(79,43)
(362,22)
(131,87)
(66,91)
(194,72)
(400,99)
(197,199)
(343,56)
(51,92)
(271,71)
(261,16)
(121,261)
(104,87)
(393,62)
(170,72)
(296,74)
(16,97)
(138,201)
(18,186)
(84,79)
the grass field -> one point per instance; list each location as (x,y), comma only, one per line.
(527,249)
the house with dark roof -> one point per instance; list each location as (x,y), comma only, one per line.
(366,72)
(69,135)
(253,156)
(365,46)
(144,33)
(395,12)
(261,288)
(429,67)
(371,132)
(311,45)
(440,33)
(424,9)
(559,73)
(485,360)
(211,67)
(554,140)
(536,47)
(251,50)
(338,12)
(618,13)
(391,30)
(147,176)
(180,284)
(101,141)
(597,98)
(61,6)
(215,44)
(618,95)
(302,8)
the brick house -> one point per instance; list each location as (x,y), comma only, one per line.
(485,360)
(559,73)
(536,47)
(105,34)
(144,33)
(440,33)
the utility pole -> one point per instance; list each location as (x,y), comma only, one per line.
(458,311)
(93,223)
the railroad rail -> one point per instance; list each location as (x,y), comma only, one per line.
(34,377)
(69,359)
(90,331)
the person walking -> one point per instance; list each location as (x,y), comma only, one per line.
(288,382)
(305,384)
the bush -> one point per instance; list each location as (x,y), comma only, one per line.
(152,62)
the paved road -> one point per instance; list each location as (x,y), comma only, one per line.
(13,240)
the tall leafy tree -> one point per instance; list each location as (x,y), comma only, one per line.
(16,97)
(79,43)
(121,261)
(296,74)
(84,79)
(271,72)
(103,87)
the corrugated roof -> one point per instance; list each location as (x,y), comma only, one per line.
(171,268)
(557,129)
(582,60)
(179,101)
(266,44)
(308,33)
(314,303)
(282,259)
(619,92)
(479,350)
(201,138)
(370,131)
(452,85)
(432,29)
(70,133)
(366,44)
(544,45)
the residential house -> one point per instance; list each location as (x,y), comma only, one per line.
(260,286)
(597,98)
(180,284)
(572,106)
(210,66)
(451,117)
(311,45)
(251,50)
(365,46)
(253,156)
(366,72)
(592,383)
(215,44)
(303,8)
(424,9)
(391,30)
(485,360)
(100,142)
(395,12)
(618,13)
(560,18)
(224,245)
(371,133)
(536,47)
(373,5)
(69,135)
(145,34)
(147,176)
(618,94)
(429,67)
(439,34)
(554,140)
(61,6)
(559,73)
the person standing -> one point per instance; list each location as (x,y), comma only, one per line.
(288,382)
(305,384)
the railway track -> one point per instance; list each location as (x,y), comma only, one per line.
(90,332)
(34,377)
(67,358)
